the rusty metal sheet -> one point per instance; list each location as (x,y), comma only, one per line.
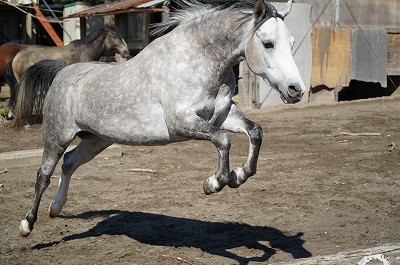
(393,54)
(117,7)
(331,56)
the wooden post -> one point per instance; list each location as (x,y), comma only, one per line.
(46,25)
(29,32)
(245,86)
(82,22)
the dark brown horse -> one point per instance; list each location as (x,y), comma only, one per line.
(7,52)
(89,48)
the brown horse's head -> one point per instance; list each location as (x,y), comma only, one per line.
(114,41)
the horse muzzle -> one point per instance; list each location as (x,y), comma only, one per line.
(294,94)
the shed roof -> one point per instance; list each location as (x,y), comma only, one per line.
(119,7)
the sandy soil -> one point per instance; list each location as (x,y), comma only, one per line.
(317,191)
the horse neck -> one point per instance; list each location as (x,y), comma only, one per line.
(223,44)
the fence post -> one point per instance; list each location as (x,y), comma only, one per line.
(245,86)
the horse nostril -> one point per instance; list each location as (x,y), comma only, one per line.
(294,91)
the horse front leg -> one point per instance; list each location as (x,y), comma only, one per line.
(234,120)
(192,126)
(218,181)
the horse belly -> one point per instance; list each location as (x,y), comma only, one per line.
(138,125)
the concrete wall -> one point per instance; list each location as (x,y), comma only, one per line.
(73,26)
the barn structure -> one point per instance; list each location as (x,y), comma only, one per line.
(344,48)
(132,17)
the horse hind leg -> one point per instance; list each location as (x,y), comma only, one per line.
(51,156)
(234,120)
(86,150)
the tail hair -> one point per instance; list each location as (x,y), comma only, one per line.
(35,84)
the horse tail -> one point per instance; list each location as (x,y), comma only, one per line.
(10,79)
(35,84)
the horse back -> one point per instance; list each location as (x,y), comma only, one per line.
(7,52)
(33,54)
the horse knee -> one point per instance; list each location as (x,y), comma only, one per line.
(68,163)
(221,140)
(42,179)
(256,134)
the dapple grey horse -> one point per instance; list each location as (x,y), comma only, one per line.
(178,88)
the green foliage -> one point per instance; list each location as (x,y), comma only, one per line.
(4,112)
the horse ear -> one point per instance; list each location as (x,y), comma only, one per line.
(108,28)
(286,9)
(259,11)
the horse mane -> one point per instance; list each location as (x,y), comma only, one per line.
(191,9)
(93,36)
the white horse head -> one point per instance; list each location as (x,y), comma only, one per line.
(268,52)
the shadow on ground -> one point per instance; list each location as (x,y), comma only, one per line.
(216,238)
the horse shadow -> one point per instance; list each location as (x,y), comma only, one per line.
(215,238)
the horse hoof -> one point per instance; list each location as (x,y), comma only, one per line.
(53,213)
(234,181)
(24,229)
(211,185)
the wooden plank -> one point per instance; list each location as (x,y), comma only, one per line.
(46,25)
(34,157)
(393,47)
(245,85)
(331,56)
(386,255)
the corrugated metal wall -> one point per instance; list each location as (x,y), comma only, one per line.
(369,13)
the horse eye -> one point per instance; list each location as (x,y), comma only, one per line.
(268,45)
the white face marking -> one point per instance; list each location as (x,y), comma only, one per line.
(272,59)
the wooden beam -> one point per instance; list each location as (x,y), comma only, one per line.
(46,25)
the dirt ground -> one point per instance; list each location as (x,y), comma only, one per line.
(317,191)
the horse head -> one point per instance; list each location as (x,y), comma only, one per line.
(114,41)
(268,51)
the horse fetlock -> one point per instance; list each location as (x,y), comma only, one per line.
(212,185)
